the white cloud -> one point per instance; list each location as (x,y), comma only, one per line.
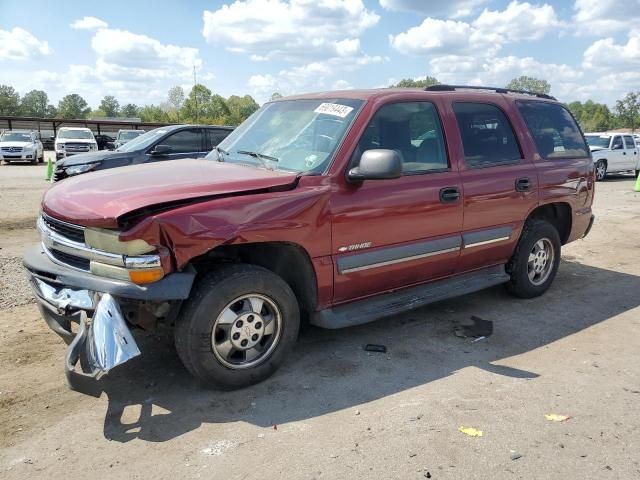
(492,29)
(606,54)
(457,8)
(88,23)
(19,44)
(602,17)
(341,85)
(287,30)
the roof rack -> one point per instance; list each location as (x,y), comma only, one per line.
(450,88)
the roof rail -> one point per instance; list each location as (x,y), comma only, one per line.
(450,88)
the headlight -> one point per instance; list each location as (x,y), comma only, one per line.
(77,169)
(28,148)
(59,146)
(93,146)
(108,241)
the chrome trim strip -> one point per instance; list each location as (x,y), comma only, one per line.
(58,262)
(53,241)
(487,242)
(399,260)
(70,225)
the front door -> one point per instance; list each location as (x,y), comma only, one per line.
(388,234)
(630,152)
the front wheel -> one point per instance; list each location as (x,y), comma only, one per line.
(601,170)
(535,262)
(237,327)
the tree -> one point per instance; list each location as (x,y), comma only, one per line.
(73,106)
(199,96)
(35,104)
(153,113)
(416,83)
(530,84)
(592,117)
(130,110)
(240,108)
(176,99)
(9,101)
(110,106)
(628,110)
(275,96)
(217,110)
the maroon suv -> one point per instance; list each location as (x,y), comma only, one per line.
(338,208)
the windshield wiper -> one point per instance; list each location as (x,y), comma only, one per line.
(260,156)
(222,151)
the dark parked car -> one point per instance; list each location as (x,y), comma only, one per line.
(103,141)
(337,207)
(164,143)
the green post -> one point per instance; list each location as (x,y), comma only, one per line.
(49,169)
(637,187)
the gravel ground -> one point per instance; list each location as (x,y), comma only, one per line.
(335,411)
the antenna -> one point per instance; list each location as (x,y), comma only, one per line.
(195,95)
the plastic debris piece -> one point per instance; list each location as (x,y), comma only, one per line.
(470,431)
(554,417)
(370,347)
(515,455)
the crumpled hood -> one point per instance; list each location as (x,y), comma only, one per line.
(90,157)
(99,199)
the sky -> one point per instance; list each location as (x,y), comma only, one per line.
(137,50)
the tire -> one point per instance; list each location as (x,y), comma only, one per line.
(601,170)
(203,327)
(526,261)
(637,173)
(41,159)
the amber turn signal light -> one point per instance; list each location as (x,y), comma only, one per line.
(141,277)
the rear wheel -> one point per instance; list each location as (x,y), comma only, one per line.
(601,170)
(238,326)
(535,262)
(637,173)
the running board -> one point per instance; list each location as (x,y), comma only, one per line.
(374,308)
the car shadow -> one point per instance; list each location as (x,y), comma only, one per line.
(329,369)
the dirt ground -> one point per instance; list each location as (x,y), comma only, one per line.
(335,411)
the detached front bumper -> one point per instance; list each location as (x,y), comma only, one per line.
(103,340)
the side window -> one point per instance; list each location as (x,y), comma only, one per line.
(217,136)
(553,129)
(629,143)
(413,130)
(185,141)
(617,143)
(487,136)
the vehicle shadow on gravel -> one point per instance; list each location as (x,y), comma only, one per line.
(330,371)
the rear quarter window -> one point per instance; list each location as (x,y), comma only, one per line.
(553,129)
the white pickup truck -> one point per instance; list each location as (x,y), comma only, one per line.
(613,153)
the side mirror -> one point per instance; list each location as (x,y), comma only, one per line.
(161,150)
(617,147)
(52,138)
(377,164)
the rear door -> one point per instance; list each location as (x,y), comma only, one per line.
(499,179)
(389,234)
(630,152)
(617,156)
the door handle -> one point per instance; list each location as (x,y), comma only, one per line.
(523,184)
(449,194)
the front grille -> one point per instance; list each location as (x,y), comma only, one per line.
(71,260)
(12,149)
(72,232)
(59,174)
(76,147)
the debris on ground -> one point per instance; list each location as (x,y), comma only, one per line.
(477,328)
(371,347)
(554,417)
(470,431)
(515,455)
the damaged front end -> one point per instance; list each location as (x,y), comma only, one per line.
(103,340)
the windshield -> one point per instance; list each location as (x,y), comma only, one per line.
(130,135)
(601,141)
(79,134)
(15,137)
(143,141)
(292,135)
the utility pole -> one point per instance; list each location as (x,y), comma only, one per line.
(195,95)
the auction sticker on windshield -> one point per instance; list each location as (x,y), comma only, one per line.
(334,109)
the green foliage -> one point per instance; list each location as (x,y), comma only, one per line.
(153,113)
(73,106)
(412,83)
(195,105)
(35,104)
(110,106)
(130,110)
(530,84)
(628,110)
(240,108)
(592,117)
(9,101)
(176,99)
(275,96)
